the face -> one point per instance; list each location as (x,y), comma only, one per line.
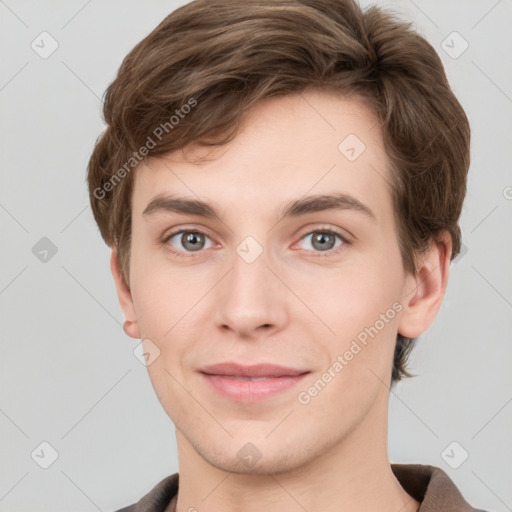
(317,286)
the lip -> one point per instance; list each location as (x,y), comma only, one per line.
(256,370)
(233,381)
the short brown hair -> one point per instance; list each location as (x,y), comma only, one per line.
(220,57)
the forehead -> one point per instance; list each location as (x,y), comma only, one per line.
(288,147)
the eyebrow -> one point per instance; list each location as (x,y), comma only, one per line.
(294,208)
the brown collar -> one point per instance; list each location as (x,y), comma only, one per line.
(429,485)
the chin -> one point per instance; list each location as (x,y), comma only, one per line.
(258,455)
(267,464)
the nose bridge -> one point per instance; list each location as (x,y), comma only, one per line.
(249,263)
(251,295)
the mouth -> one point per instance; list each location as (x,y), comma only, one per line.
(253,379)
(251,384)
(262,370)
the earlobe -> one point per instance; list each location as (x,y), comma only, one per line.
(124,295)
(424,292)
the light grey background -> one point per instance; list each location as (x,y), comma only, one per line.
(68,373)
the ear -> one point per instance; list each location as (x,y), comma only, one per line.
(124,295)
(424,291)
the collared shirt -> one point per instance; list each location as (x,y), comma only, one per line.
(429,485)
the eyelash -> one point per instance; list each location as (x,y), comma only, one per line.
(319,254)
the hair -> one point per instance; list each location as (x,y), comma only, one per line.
(195,77)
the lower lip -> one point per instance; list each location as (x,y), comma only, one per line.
(251,391)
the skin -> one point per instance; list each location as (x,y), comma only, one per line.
(287,307)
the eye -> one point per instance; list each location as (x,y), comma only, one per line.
(324,240)
(190,239)
(193,240)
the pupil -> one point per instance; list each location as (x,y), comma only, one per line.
(322,238)
(192,239)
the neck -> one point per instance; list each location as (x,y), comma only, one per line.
(353,475)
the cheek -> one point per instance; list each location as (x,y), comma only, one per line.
(360,365)
(352,298)
(363,313)
(149,307)
(161,312)
(158,297)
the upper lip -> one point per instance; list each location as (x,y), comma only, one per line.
(255,370)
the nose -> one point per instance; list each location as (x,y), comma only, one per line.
(251,299)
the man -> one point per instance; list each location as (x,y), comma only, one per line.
(280,183)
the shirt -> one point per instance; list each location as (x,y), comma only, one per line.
(429,485)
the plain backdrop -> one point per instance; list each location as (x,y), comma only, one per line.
(69,378)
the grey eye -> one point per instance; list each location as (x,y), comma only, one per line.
(191,241)
(323,240)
